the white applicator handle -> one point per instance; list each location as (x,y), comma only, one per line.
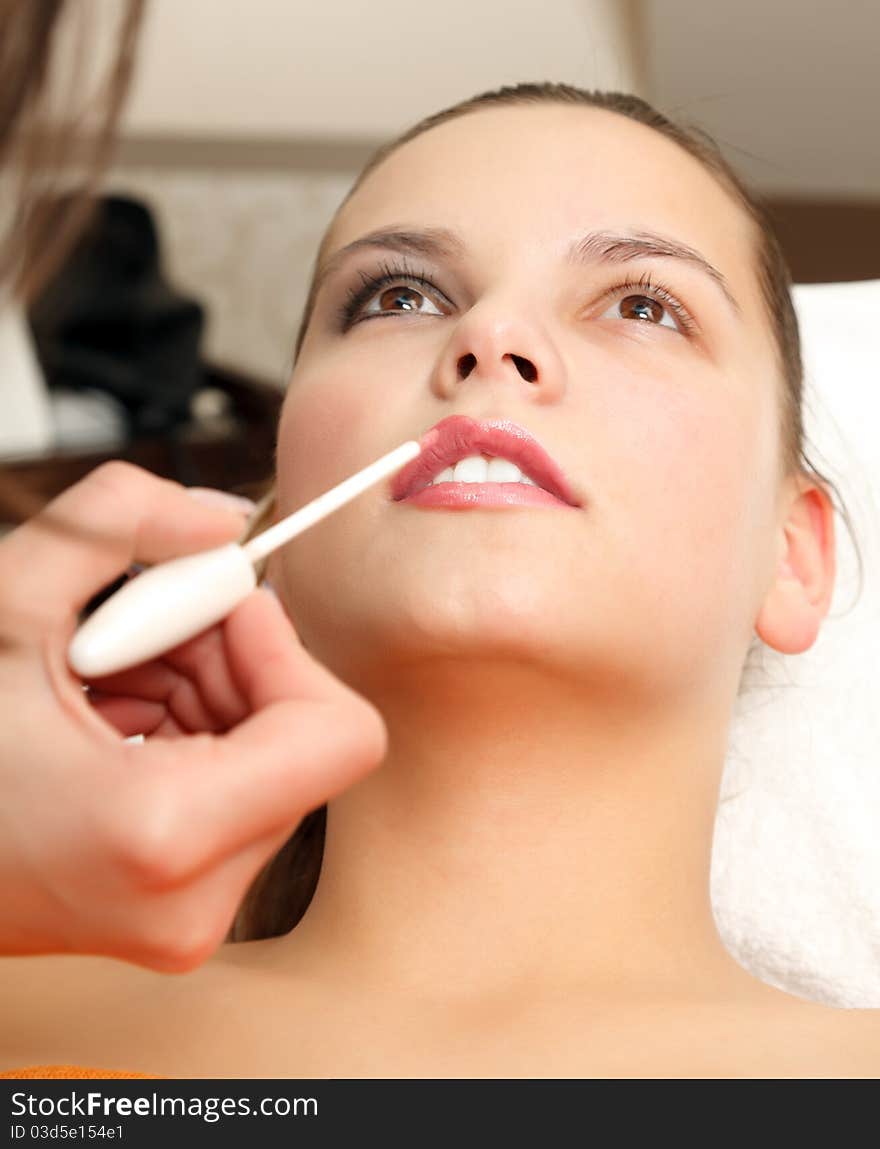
(175,600)
(281,533)
(161,607)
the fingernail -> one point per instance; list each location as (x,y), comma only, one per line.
(266,585)
(210,497)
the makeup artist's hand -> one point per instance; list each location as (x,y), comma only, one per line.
(143,851)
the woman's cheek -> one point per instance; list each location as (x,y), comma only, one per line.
(679,452)
(324,435)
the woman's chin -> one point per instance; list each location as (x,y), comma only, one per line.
(440,628)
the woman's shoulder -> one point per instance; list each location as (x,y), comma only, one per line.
(113,1015)
(102,1012)
(90,1011)
(34,990)
(854,1038)
(815,1039)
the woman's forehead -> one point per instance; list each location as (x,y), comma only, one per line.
(542,174)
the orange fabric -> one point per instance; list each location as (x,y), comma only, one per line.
(71,1071)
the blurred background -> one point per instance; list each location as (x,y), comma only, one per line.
(166,336)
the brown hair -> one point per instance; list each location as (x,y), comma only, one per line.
(281,892)
(45,137)
(40,151)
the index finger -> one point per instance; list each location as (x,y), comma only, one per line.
(118,514)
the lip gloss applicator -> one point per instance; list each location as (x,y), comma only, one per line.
(175,600)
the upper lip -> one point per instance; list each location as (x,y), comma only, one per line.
(458,436)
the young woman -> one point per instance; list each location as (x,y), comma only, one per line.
(565,281)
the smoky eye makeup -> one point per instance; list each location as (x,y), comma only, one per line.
(647,300)
(386,275)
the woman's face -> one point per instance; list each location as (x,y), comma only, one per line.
(648,376)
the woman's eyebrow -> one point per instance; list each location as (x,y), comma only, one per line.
(594,247)
(437,242)
(624,247)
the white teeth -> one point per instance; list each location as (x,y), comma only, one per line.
(473,469)
(502,471)
(477,469)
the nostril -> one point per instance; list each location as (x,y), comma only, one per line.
(466,365)
(526,368)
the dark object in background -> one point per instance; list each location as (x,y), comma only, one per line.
(109,321)
(828,240)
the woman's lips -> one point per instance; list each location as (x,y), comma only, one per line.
(458,436)
(465,495)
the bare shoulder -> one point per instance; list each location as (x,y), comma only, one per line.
(74,1009)
(855,1035)
(833,1041)
(34,991)
(111,1014)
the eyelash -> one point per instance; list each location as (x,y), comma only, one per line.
(371,282)
(656,290)
(390,274)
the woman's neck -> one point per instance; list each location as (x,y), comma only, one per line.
(524,834)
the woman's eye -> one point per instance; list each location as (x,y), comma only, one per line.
(399,298)
(642,307)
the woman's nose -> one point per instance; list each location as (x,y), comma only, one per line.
(524,366)
(496,350)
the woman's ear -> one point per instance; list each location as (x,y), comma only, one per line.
(799,596)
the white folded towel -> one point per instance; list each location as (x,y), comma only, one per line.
(796,856)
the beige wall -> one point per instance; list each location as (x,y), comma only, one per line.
(360,68)
(242,243)
(790,88)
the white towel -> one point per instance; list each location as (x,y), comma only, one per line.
(796,856)
(26,424)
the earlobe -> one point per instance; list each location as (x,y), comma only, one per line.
(799,597)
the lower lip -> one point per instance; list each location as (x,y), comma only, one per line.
(466,495)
